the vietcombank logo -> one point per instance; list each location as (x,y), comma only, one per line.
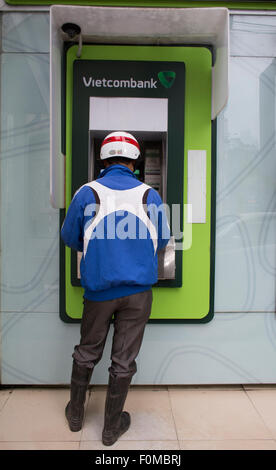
(166,79)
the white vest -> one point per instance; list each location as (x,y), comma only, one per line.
(112,200)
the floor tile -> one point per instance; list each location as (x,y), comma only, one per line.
(229,445)
(151,417)
(205,415)
(265,403)
(130,445)
(39,445)
(5,394)
(36,415)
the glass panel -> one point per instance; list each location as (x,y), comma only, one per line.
(232,348)
(29,231)
(253,35)
(25,32)
(246,190)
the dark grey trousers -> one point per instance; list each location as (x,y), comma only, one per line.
(131,314)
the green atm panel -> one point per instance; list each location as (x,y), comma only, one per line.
(180,77)
(124,93)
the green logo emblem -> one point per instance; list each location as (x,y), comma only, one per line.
(167,78)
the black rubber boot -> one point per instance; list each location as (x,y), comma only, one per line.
(116,421)
(74,410)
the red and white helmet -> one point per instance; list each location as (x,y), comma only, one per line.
(120,144)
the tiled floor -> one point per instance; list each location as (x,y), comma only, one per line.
(169,418)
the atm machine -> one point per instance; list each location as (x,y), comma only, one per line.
(147,120)
(163,95)
(145,112)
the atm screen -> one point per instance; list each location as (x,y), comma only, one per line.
(150,167)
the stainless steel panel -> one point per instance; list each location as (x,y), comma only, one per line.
(166,261)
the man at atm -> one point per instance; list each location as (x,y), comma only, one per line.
(119,224)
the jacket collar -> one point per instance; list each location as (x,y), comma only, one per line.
(117,170)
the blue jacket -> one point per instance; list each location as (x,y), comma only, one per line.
(118,233)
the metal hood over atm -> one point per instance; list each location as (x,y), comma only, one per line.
(132,26)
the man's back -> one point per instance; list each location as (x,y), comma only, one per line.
(117,222)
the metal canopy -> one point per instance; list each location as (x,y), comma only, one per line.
(140,26)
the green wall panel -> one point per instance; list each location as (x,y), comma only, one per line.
(193,301)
